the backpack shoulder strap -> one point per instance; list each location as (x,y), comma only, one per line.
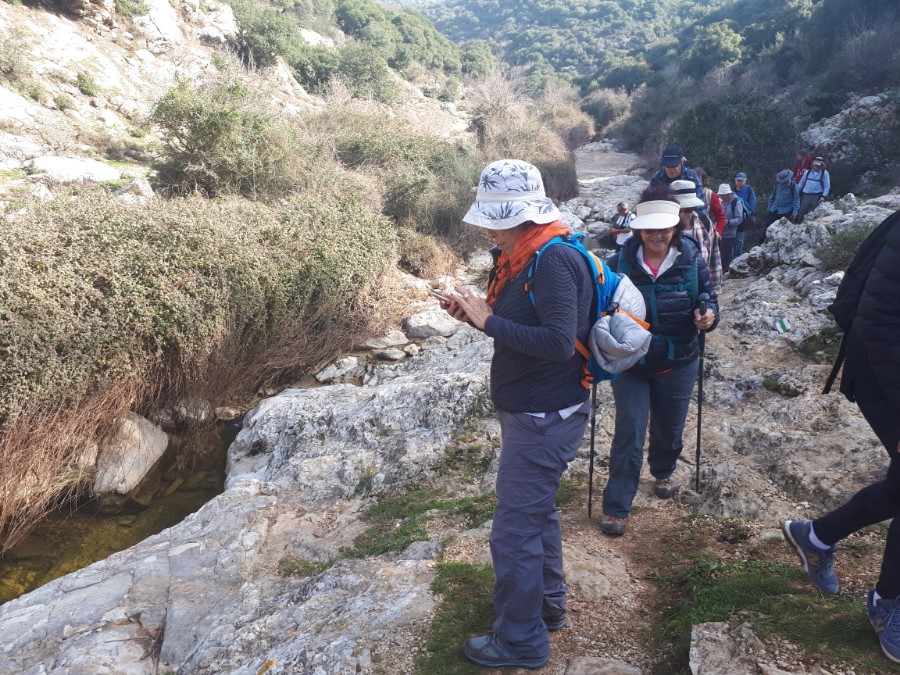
(691,280)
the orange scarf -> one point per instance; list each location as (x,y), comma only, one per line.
(509,266)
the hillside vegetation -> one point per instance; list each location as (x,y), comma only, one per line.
(277,225)
(734,81)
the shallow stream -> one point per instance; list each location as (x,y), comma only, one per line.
(78,535)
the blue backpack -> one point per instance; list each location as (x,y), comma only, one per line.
(605,283)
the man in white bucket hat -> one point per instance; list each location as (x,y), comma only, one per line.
(543,408)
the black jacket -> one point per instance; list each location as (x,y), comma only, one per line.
(675,340)
(874,338)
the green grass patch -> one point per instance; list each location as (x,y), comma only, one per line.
(12,174)
(772,597)
(86,84)
(466,610)
(822,347)
(770,385)
(397,522)
(293,566)
(131,7)
(63,102)
(570,490)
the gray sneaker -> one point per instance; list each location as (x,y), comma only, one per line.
(612,525)
(665,488)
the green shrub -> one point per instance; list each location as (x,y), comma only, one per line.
(427,181)
(314,67)
(64,102)
(15,64)
(740,130)
(223,138)
(840,248)
(366,73)
(98,290)
(85,83)
(264,32)
(32,89)
(131,7)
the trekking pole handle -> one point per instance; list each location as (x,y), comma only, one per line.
(701,305)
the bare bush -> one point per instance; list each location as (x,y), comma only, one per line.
(607,107)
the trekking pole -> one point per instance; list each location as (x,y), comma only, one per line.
(701,307)
(591,464)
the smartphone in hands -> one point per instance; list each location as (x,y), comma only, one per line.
(443,297)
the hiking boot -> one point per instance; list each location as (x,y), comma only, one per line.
(816,561)
(612,525)
(665,488)
(486,650)
(885,617)
(555,620)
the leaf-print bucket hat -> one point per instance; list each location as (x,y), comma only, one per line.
(510,192)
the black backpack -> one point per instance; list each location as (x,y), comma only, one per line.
(843,309)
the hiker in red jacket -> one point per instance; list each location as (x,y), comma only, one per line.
(804,161)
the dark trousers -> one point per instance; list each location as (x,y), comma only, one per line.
(808,202)
(660,401)
(526,541)
(726,249)
(879,501)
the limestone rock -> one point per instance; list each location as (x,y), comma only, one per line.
(594,665)
(71,169)
(430,323)
(124,461)
(342,370)
(160,25)
(321,441)
(393,338)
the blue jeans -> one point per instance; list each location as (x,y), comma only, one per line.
(738,244)
(526,542)
(662,401)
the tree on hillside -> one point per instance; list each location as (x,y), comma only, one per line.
(740,131)
(718,45)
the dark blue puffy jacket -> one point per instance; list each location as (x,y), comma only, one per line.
(675,340)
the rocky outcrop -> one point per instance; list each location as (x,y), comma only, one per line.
(205,596)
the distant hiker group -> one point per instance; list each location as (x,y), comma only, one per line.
(732,209)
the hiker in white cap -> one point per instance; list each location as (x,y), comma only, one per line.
(707,239)
(656,392)
(734,216)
